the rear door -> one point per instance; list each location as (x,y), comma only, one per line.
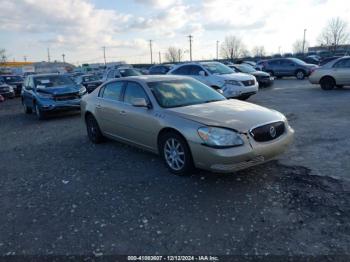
(108,108)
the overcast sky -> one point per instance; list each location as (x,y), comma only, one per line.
(79,28)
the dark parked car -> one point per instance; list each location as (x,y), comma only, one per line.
(311,60)
(328,59)
(264,79)
(6,90)
(160,69)
(90,81)
(281,67)
(46,93)
(13,80)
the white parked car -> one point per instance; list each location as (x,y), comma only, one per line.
(333,74)
(220,76)
(123,71)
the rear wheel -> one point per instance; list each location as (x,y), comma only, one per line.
(93,130)
(327,83)
(176,154)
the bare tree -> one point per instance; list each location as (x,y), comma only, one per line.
(174,54)
(259,51)
(335,33)
(3,56)
(232,48)
(299,45)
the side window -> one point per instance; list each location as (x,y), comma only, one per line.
(132,91)
(194,70)
(344,63)
(25,82)
(286,63)
(112,91)
(183,70)
(273,63)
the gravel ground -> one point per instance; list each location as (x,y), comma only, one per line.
(60,194)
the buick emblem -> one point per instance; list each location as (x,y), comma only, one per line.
(273,132)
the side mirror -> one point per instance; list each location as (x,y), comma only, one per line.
(140,102)
(202,73)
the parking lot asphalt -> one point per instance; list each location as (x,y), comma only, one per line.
(60,194)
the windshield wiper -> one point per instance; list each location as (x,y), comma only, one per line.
(212,100)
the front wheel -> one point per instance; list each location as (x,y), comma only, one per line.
(39,113)
(27,110)
(327,83)
(176,154)
(300,75)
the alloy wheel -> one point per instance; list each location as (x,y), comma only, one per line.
(174,154)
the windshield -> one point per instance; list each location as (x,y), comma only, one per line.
(298,61)
(218,68)
(90,78)
(52,81)
(184,92)
(129,72)
(246,68)
(12,79)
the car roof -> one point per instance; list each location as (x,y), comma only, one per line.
(151,78)
(43,75)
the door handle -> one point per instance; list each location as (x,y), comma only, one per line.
(98,106)
(122,112)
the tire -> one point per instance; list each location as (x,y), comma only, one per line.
(27,110)
(39,113)
(243,97)
(339,86)
(300,74)
(93,130)
(327,83)
(176,154)
(270,72)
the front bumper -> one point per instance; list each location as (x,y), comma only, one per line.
(51,105)
(266,81)
(236,158)
(8,94)
(231,91)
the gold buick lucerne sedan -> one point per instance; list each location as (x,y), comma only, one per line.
(187,123)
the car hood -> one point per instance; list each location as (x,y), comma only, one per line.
(234,114)
(236,76)
(93,82)
(311,65)
(60,90)
(260,73)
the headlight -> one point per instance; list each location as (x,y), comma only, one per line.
(232,82)
(82,90)
(219,137)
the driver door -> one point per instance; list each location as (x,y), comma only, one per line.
(194,72)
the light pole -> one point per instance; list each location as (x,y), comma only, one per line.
(304,42)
